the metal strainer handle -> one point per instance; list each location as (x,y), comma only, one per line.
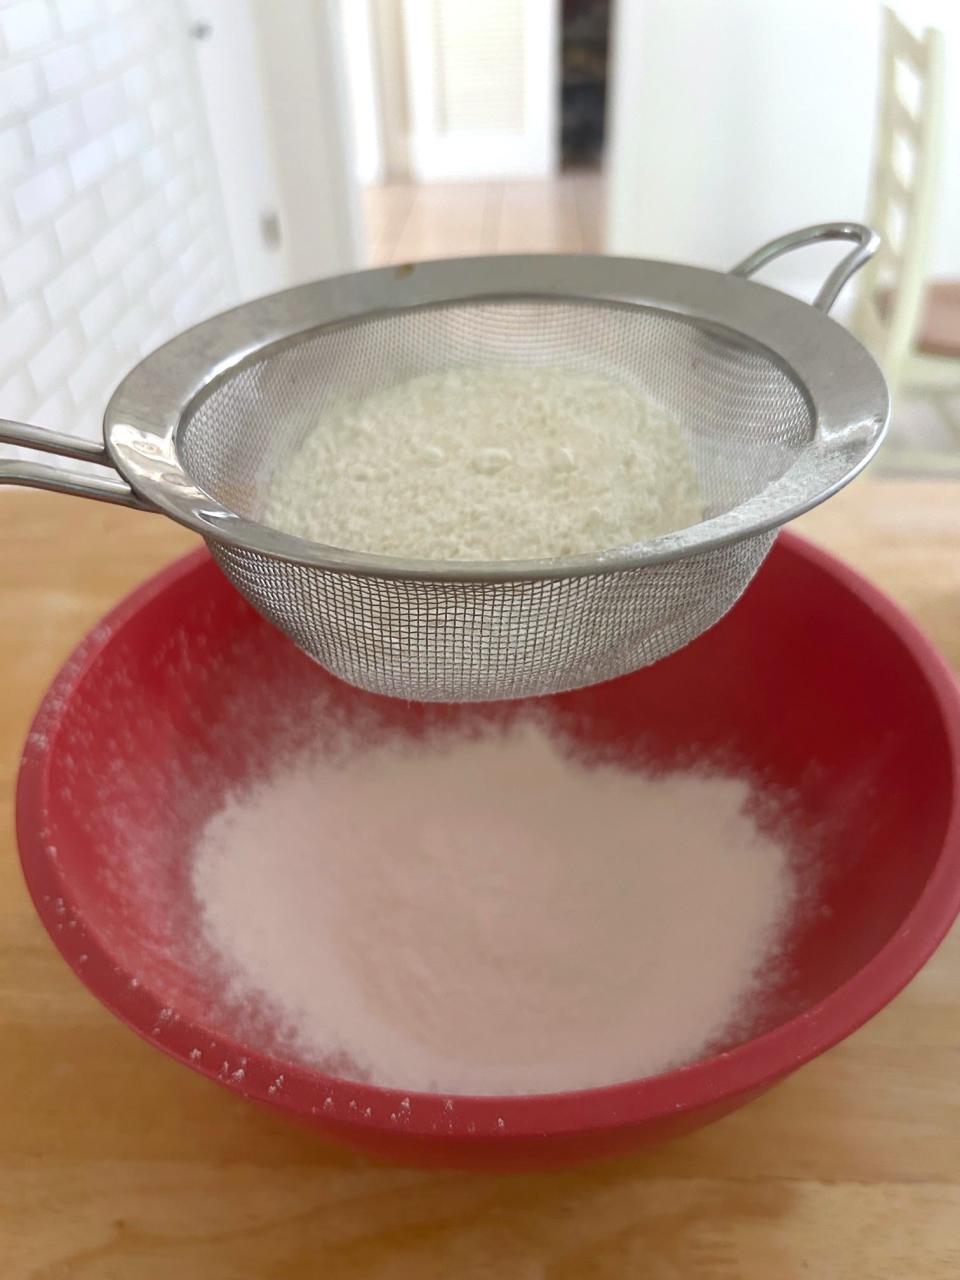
(109,486)
(867,243)
(81,484)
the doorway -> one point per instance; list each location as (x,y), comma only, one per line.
(584,44)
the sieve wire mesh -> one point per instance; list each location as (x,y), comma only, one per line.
(745,421)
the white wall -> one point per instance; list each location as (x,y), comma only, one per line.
(112,234)
(734,122)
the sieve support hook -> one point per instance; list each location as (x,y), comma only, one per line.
(82,484)
(867,243)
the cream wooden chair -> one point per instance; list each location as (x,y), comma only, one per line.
(911,327)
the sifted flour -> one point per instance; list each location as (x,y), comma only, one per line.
(489,464)
(490,914)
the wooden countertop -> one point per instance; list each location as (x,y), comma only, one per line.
(116,1164)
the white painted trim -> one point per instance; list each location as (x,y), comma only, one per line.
(390,70)
(300,43)
(242,150)
(542,72)
(419,48)
(359,47)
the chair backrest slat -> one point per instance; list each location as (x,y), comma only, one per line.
(907,148)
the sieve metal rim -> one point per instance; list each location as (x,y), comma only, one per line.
(839,379)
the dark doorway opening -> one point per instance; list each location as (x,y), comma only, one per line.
(585,35)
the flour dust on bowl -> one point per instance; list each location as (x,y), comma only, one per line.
(185,698)
(774,404)
(493,907)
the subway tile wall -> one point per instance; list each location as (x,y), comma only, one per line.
(112,236)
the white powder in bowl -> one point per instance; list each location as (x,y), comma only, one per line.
(489,914)
(493,463)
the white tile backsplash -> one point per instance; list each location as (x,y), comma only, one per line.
(90,162)
(139,82)
(77,15)
(55,129)
(98,315)
(22,330)
(110,252)
(19,395)
(112,234)
(12,149)
(42,195)
(109,47)
(121,190)
(79,224)
(26,25)
(55,408)
(50,365)
(66,68)
(33,262)
(20,89)
(93,372)
(65,292)
(104,106)
(139,271)
(128,137)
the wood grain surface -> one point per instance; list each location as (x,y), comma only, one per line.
(117,1164)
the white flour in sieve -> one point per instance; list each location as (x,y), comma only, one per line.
(489,914)
(491,463)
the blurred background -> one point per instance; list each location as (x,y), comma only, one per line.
(163,159)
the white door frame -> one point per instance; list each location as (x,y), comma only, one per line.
(278,115)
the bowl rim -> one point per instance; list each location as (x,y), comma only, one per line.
(452,1118)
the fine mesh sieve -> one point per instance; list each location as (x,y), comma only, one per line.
(779,407)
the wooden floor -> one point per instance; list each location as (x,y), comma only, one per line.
(405,222)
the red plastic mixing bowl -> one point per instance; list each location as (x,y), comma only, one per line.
(815,681)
